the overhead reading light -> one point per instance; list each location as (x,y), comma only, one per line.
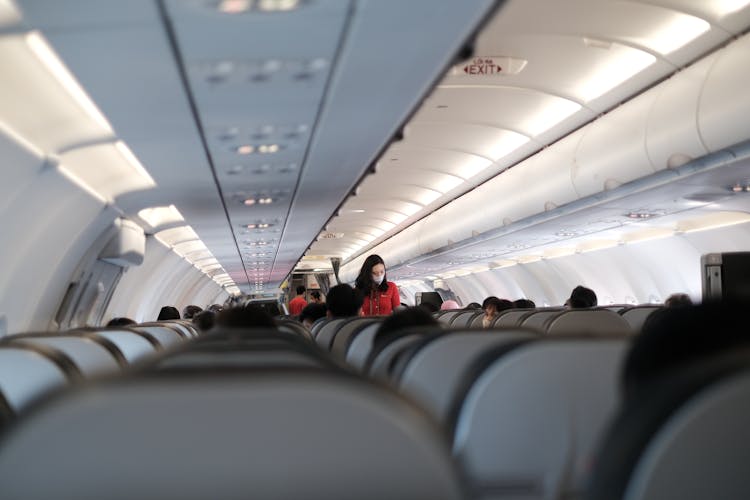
(643,215)
(108,169)
(160,216)
(245,149)
(176,235)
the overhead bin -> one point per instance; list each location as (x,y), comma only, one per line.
(700,110)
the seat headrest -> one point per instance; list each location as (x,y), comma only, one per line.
(272,435)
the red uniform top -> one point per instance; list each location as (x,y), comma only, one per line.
(379,303)
(296,305)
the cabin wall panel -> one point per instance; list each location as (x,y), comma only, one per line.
(48,224)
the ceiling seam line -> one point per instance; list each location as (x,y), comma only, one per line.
(314,128)
(172,39)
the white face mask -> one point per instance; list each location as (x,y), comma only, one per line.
(378,279)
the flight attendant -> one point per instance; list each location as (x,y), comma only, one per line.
(380,295)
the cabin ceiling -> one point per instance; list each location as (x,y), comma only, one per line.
(562,65)
(255,118)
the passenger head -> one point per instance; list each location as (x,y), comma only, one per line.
(677,336)
(190,311)
(167,313)
(120,322)
(205,320)
(315,296)
(312,312)
(581,297)
(372,275)
(474,305)
(678,300)
(248,316)
(392,325)
(449,304)
(343,300)
(492,307)
(301,290)
(217,308)
(524,304)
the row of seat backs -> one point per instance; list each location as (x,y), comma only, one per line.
(209,405)
(541,318)
(32,364)
(684,438)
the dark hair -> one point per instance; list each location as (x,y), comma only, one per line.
(313,311)
(250,315)
(488,300)
(217,308)
(677,336)
(678,300)
(582,297)
(205,320)
(364,281)
(300,290)
(168,312)
(473,305)
(315,294)
(343,300)
(120,322)
(190,311)
(497,304)
(524,304)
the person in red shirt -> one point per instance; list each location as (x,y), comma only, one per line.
(380,295)
(298,303)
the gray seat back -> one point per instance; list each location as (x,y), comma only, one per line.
(360,348)
(25,375)
(537,319)
(511,317)
(463,318)
(448,316)
(325,335)
(133,346)
(702,450)
(166,336)
(346,334)
(587,321)
(637,316)
(266,436)
(383,362)
(530,421)
(89,356)
(433,375)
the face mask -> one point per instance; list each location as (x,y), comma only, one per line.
(378,279)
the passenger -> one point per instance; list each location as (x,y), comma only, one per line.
(167,313)
(524,304)
(216,308)
(380,295)
(581,297)
(205,320)
(298,303)
(492,307)
(122,321)
(392,327)
(449,304)
(312,312)
(343,301)
(190,311)
(678,300)
(474,306)
(675,337)
(315,297)
(248,316)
